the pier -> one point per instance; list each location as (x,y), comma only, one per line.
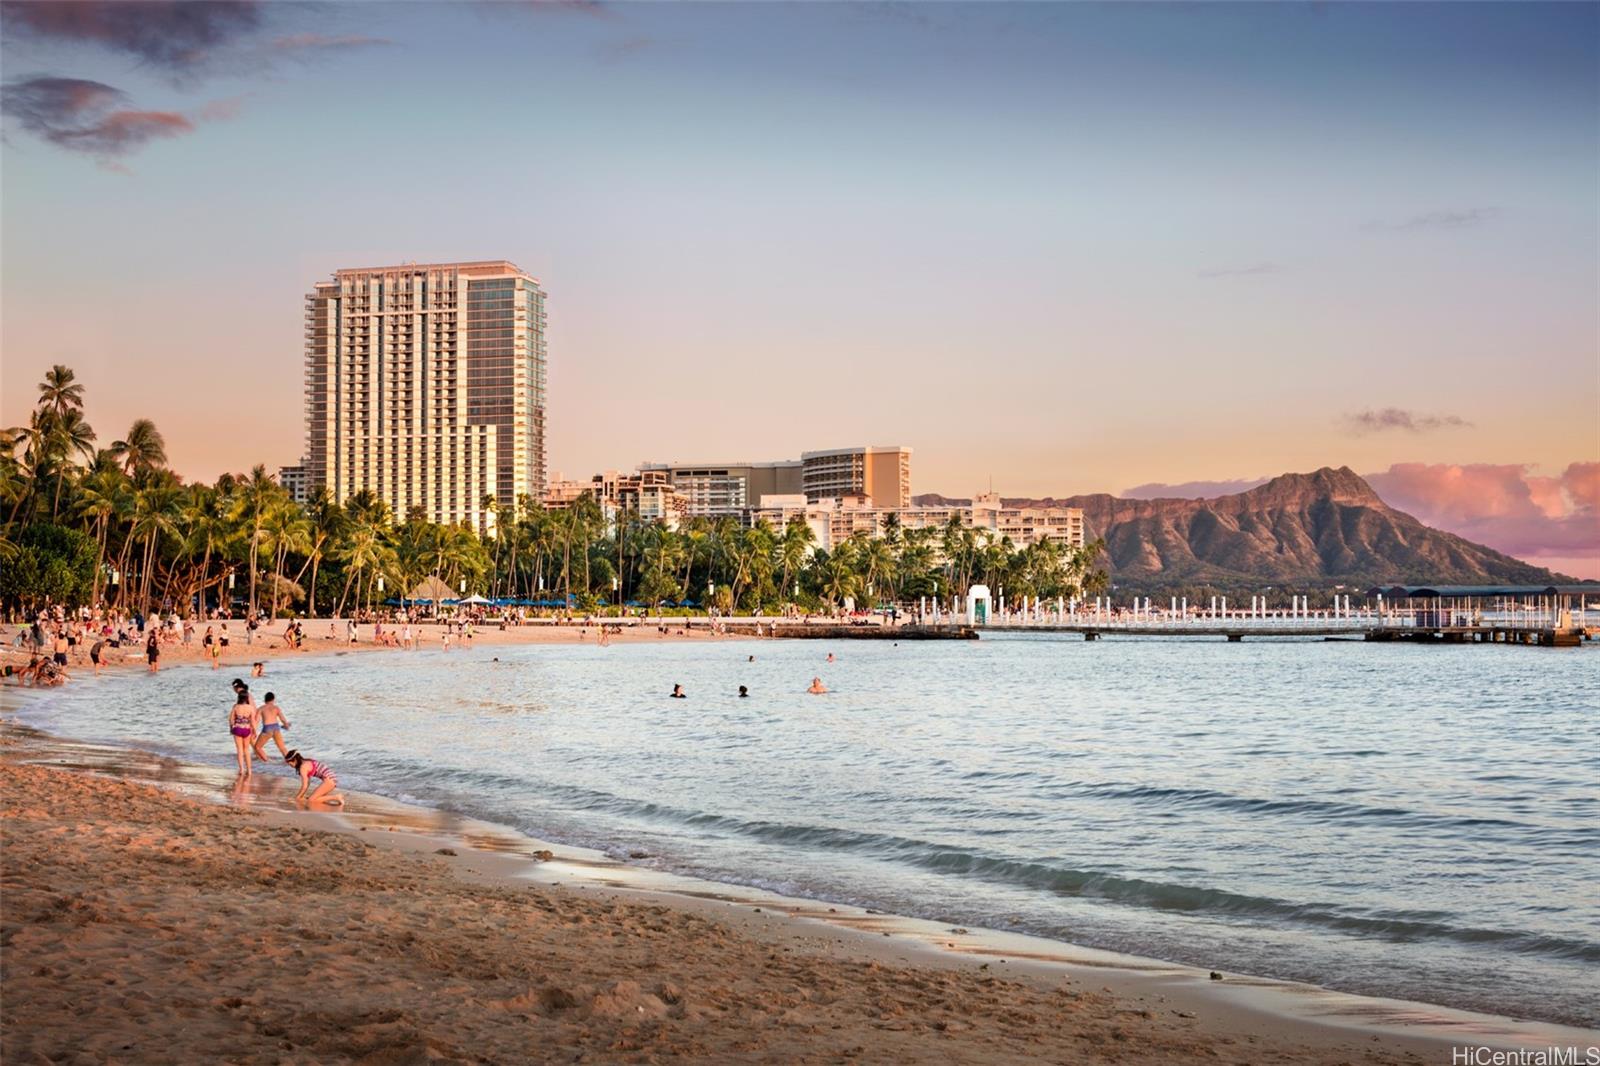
(1543,616)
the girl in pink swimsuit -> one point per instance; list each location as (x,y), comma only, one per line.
(309,768)
(242,724)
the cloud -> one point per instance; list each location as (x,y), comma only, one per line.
(1191,490)
(1434,220)
(176,35)
(93,118)
(1249,270)
(1362,423)
(320,42)
(1506,506)
(592,8)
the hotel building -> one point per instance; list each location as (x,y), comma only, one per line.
(716,489)
(296,483)
(649,495)
(425,384)
(834,521)
(880,473)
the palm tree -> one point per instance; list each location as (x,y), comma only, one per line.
(838,579)
(285,529)
(60,392)
(326,524)
(257,496)
(68,433)
(207,527)
(103,495)
(877,559)
(794,549)
(143,449)
(155,514)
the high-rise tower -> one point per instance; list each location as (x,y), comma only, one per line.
(425,384)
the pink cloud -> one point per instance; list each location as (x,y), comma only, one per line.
(1553,521)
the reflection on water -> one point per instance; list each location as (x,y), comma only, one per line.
(1414,822)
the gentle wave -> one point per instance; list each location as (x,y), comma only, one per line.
(946,860)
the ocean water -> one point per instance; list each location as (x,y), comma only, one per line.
(1422,823)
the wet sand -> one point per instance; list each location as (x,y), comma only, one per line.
(159,924)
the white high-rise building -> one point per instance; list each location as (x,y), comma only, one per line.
(425,384)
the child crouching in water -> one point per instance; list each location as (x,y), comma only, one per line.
(309,768)
(273,723)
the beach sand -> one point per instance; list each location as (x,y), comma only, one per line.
(268,644)
(142,925)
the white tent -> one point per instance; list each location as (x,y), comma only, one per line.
(475,599)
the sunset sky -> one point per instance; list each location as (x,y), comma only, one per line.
(1071,248)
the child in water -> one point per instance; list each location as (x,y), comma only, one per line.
(309,768)
(273,723)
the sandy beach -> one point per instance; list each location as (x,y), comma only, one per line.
(140,925)
(268,643)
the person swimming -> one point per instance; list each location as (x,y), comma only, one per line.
(830,657)
(743,692)
(678,693)
(817,687)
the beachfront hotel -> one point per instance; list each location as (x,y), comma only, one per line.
(425,384)
(834,521)
(881,473)
(712,490)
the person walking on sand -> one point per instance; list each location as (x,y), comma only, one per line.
(241,723)
(272,723)
(152,652)
(309,768)
(95,651)
(212,648)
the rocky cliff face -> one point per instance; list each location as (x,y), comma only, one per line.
(1298,529)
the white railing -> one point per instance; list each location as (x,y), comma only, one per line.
(1289,620)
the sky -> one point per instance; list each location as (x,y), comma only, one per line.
(1062,248)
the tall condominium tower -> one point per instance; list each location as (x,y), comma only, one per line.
(426,385)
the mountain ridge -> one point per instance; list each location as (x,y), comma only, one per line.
(1326,526)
